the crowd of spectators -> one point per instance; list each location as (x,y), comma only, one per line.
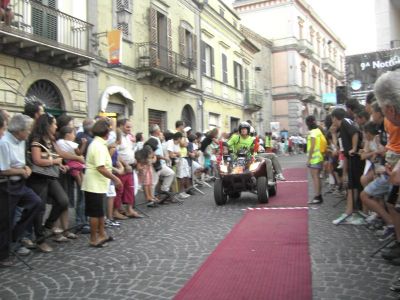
(361,161)
(49,164)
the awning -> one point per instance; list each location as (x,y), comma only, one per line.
(111,90)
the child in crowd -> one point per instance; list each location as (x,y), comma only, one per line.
(67,144)
(369,152)
(144,159)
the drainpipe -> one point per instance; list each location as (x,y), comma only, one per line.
(200,103)
(93,100)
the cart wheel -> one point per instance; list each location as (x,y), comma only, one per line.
(262,190)
(272,190)
(219,196)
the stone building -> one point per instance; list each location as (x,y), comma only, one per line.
(308,58)
(43,54)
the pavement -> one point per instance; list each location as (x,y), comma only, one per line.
(153,257)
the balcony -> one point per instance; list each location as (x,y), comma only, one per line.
(305,48)
(328,65)
(164,67)
(46,35)
(253,100)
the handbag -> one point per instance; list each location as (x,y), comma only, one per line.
(52,171)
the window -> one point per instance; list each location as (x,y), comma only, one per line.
(213,120)
(160,39)
(187,45)
(224,68)
(314,78)
(234,123)
(238,75)
(44,22)
(301,26)
(123,5)
(123,10)
(207,60)
(158,117)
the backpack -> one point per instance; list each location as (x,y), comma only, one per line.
(323,144)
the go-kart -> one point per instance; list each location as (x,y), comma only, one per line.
(242,173)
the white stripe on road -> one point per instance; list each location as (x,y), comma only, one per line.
(293,181)
(281,207)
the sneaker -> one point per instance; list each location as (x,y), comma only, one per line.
(371,218)
(341,218)
(280,177)
(85,229)
(23,251)
(108,223)
(385,233)
(355,220)
(183,195)
(316,200)
(115,223)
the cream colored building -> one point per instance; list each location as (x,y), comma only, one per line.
(228,76)
(308,58)
(43,54)
(157,79)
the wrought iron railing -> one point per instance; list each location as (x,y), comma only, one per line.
(253,98)
(156,56)
(49,25)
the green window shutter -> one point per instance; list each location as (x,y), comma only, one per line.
(212,62)
(224,68)
(203,57)
(45,23)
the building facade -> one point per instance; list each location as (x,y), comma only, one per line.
(387,19)
(43,54)
(308,58)
(179,60)
(227,68)
(156,81)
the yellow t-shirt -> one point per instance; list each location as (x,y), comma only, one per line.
(97,155)
(316,156)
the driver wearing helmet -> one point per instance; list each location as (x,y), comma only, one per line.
(243,140)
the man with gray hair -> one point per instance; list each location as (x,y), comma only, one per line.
(387,92)
(13,173)
(164,172)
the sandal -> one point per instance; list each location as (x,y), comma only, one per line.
(109,239)
(60,239)
(70,235)
(98,245)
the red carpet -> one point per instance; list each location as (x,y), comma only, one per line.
(293,191)
(295,174)
(265,256)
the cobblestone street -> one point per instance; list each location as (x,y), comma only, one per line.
(153,257)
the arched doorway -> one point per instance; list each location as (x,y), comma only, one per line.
(49,94)
(117,100)
(189,117)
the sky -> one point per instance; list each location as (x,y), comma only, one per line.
(353,21)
